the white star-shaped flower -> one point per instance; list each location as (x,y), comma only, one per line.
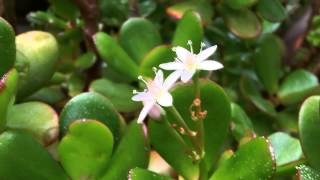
(156,95)
(187,63)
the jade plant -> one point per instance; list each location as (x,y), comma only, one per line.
(160,90)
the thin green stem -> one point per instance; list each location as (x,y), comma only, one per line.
(185,127)
(199,116)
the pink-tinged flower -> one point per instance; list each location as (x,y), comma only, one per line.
(156,95)
(187,63)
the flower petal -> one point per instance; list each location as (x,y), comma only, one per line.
(165,100)
(186,76)
(142,96)
(145,110)
(155,112)
(159,77)
(171,79)
(210,65)
(203,55)
(182,53)
(171,66)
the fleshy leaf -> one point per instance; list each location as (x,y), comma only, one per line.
(138,36)
(286,148)
(37,55)
(138,174)
(154,58)
(22,157)
(37,118)
(119,94)
(296,86)
(115,56)
(239,4)
(250,89)
(90,105)
(204,8)
(132,151)
(8,86)
(267,61)
(189,28)
(271,10)
(7,46)
(253,160)
(241,124)
(307,173)
(243,23)
(217,105)
(309,123)
(85,149)
(169,144)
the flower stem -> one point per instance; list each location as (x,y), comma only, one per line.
(199,117)
(185,127)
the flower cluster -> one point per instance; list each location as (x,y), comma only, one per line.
(185,65)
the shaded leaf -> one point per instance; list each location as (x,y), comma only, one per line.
(119,94)
(23,157)
(271,10)
(296,86)
(132,151)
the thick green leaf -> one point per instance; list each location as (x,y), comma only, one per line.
(91,105)
(169,144)
(86,60)
(139,174)
(133,151)
(85,149)
(37,55)
(253,160)
(250,89)
(306,173)
(217,105)
(75,84)
(204,8)
(271,10)
(241,124)
(22,157)
(46,18)
(8,86)
(243,23)
(119,94)
(267,61)
(65,9)
(296,86)
(115,56)
(189,28)
(154,58)
(138,36)
(309,123)
(7,46)
(239,4)
(37,118)
(286,148)
(51,95)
